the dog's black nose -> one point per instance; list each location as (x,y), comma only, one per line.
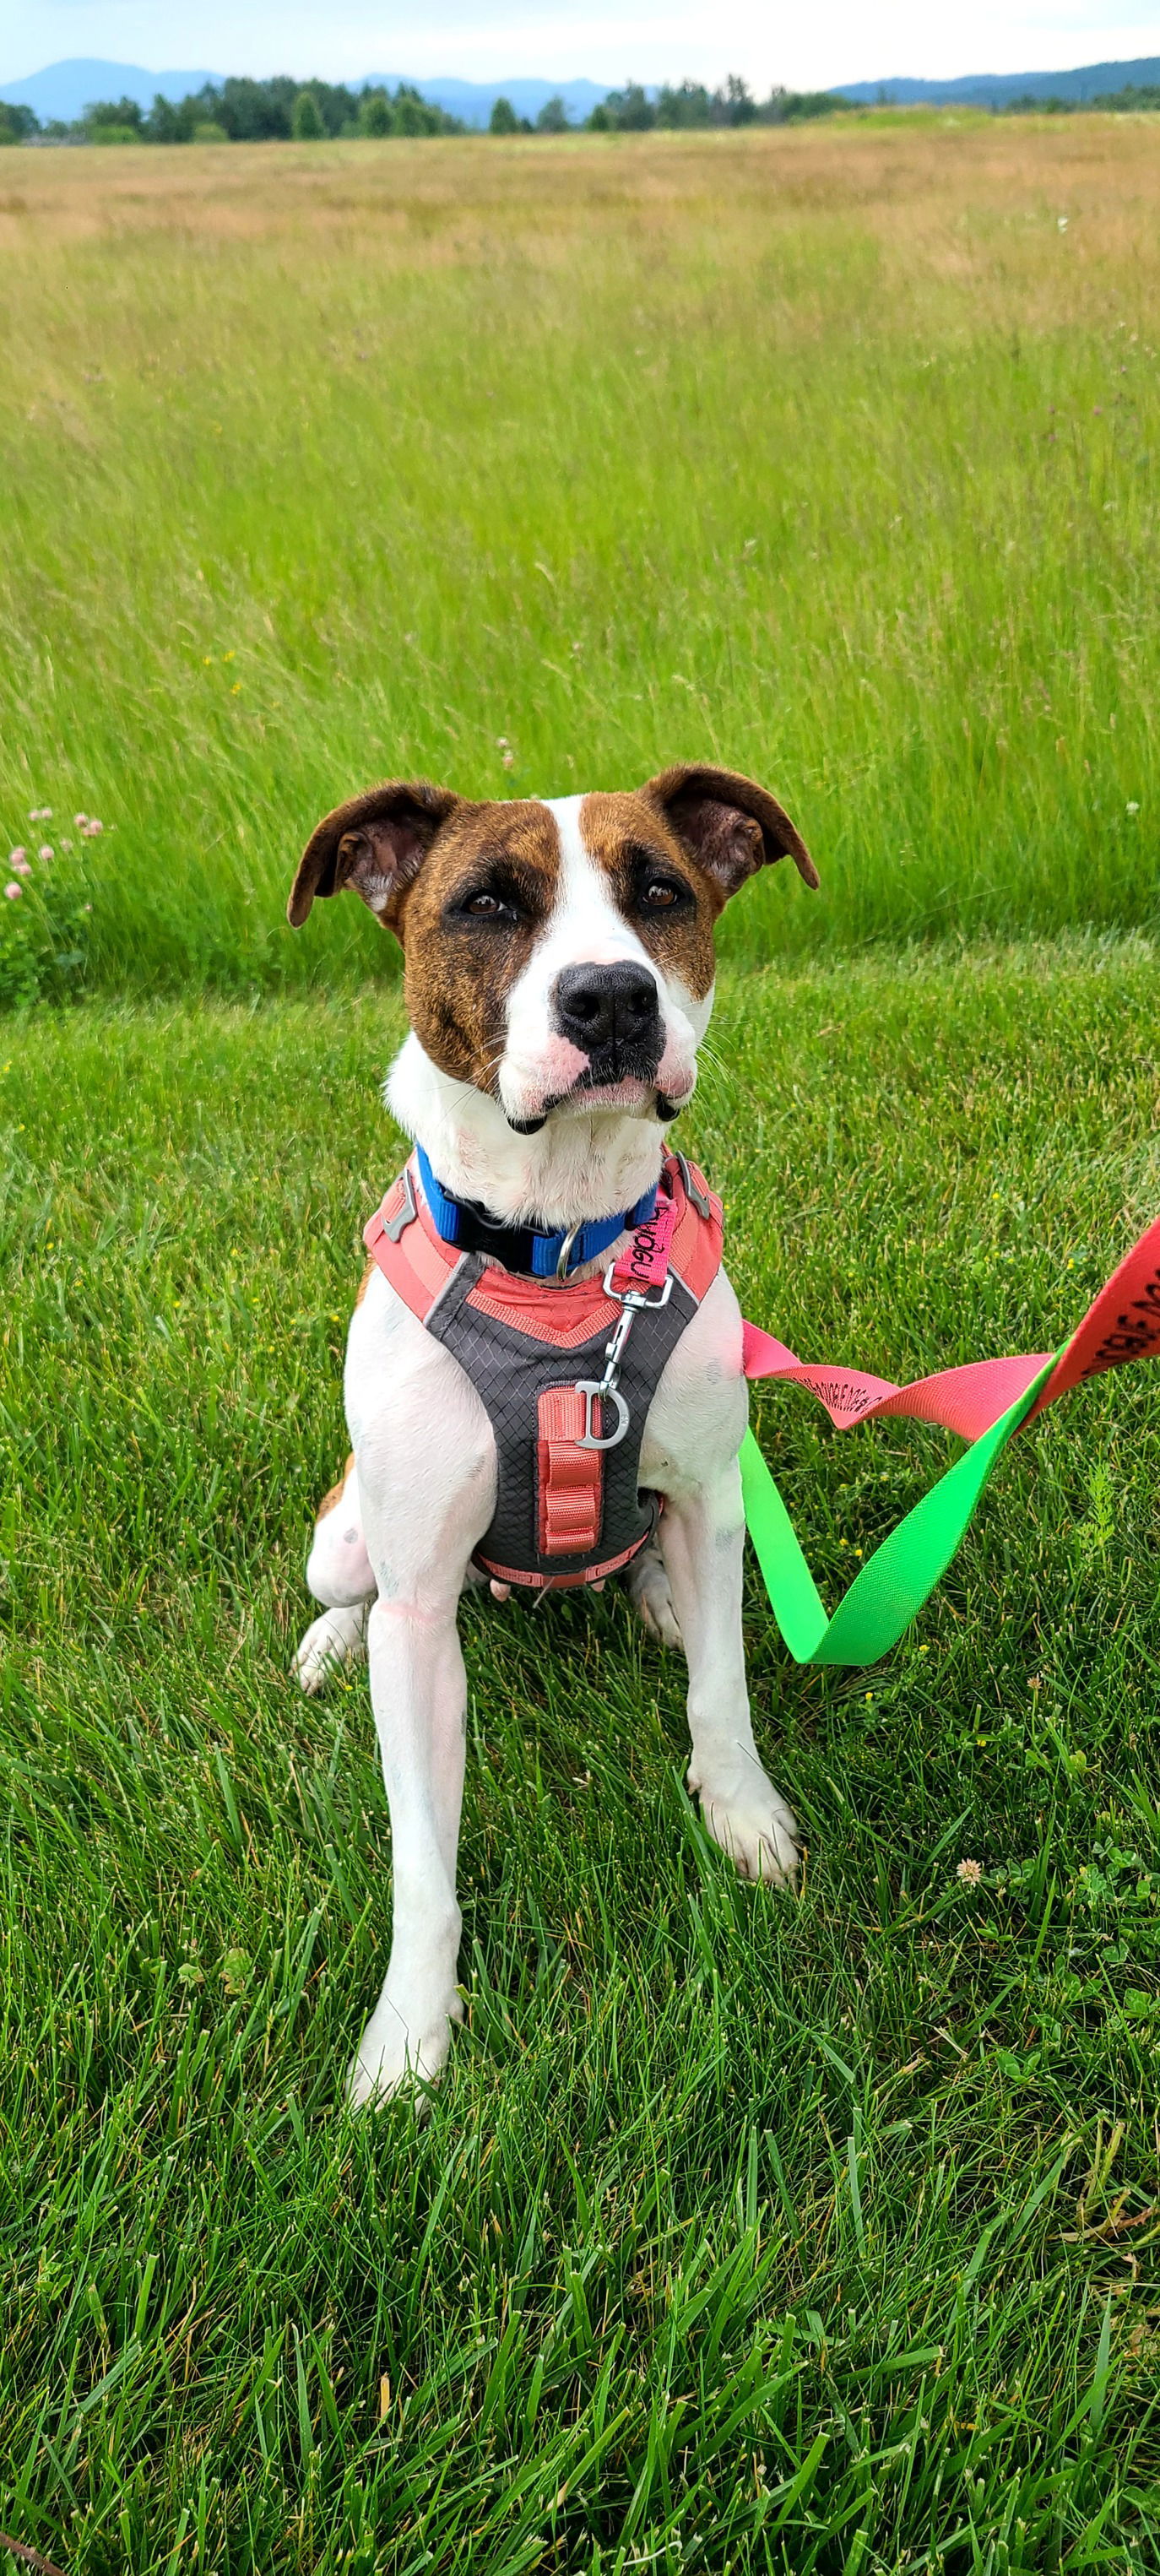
(609,1009)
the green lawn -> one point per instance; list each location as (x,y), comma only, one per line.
(800,2235)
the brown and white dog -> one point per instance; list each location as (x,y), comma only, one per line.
(538,1084)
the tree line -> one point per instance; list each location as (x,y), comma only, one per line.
(285,110)
(245,111)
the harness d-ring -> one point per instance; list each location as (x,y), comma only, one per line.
(590,1389)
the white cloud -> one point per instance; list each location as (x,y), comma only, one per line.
(651,39)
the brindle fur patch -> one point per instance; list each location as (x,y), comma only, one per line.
(337,1491)
(622,833)
(458,970)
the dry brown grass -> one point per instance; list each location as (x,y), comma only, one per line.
(944,200)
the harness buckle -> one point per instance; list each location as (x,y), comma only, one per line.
(696,1197)
(406,1214)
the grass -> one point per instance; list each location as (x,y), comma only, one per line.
(813,2237)
(818,2236)
(828,453)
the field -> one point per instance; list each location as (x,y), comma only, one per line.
(814,2236)
(831,454)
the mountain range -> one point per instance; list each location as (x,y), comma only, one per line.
(65,89)
(996,89)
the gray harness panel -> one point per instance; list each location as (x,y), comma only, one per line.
(512,1372)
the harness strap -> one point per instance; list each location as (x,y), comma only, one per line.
(570,1480)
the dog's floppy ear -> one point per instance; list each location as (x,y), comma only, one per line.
(730,826)
(376,843)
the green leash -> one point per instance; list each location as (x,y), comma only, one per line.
(890,1589)
(1122,1324)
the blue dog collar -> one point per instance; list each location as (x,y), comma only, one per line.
(468,1226)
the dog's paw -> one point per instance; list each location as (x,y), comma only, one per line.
(397,2052)
(647,1586)
(339,1637)
(747,1818)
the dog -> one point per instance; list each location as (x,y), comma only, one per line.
(558,977)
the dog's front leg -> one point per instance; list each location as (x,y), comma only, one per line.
(702,1535)
(425,1465)
(419,1693)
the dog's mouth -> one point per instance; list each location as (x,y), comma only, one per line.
(623,1082)
(628,1072)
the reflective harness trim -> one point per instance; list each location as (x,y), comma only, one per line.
(568,1444)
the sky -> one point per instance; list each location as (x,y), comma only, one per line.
(603,40)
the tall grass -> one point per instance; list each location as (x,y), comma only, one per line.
(829,454)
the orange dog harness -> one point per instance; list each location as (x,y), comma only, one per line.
(567,1372)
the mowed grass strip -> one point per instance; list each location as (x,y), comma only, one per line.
(829,455)
(803,2234)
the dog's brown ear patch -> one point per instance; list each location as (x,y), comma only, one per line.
(376,843)
(730,826)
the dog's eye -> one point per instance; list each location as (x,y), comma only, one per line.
(484,905)
(660,894)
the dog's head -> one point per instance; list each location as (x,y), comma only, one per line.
(557,956)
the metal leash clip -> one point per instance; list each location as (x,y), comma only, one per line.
(631,1302)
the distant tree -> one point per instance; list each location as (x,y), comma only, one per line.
(1137,97)
(251,111)
(337,106)
(415,114)
(306,124)
(122,115)
(735,104)
(503,119)
(600,121)
(629,110)
(16,122)
(799,106)
(169,122)
(688,105)
(411,112)
(553,117)
(375,114)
